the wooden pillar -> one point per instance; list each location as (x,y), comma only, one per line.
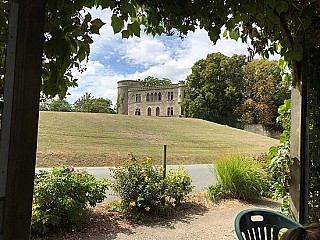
(21,120)
(299,184)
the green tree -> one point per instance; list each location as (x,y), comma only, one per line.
(59,105)
(153,81)
(102,105)
(87,103)
(84,103)
(67,37)
(214,89)
(287,26)
(264,93)
(68,34)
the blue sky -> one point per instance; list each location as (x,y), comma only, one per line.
(113,58)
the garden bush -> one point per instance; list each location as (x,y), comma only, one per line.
(179,184)
(143,190)
(62,196)
(238,177)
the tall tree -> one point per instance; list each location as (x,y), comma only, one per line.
(102,105)
(84,103)
(264,93)
(87,103)
(214,89)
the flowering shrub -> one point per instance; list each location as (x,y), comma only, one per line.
(140,187)
(62,196)
(143,190)
(179,184)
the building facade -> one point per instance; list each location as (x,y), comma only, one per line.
(135,99)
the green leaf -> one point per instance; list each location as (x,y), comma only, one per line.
(97,22)
(282,7)
(234,34)
(94,29)
(116,23)
(88,17)
(87,39)
(128,8)
(125,34)
(261,18)
(135,26)
(272,3)
(81,54)
(273,150)
(214,33)
(225,33)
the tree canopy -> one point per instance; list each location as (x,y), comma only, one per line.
(59,105)
(264,92)
(88,103)
(214,88)
(291,27)
(68,34)
(153,81)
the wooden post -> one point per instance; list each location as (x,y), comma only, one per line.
(164,161)
(299,184)
(21,122)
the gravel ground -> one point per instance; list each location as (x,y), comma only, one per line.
(200,220)
(195,219)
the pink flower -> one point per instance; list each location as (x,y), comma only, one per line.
(258,156)
(79,173)
(71,168)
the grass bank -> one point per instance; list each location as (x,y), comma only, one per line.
(89,139)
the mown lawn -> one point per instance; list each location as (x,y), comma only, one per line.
(88,139)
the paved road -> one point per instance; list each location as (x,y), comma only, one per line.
(201,175)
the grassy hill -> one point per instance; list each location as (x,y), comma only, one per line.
(88,139)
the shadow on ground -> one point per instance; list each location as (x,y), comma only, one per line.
(103,224)
(266,203)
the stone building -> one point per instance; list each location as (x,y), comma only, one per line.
(135,99)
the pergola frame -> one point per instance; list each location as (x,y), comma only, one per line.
(20,119)
(20,125)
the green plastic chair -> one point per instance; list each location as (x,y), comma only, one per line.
(262,224)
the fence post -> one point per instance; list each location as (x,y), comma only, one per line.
(164,161)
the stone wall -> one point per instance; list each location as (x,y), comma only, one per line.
(259,129)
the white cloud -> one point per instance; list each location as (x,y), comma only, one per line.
(145,50)
(163,56)
(174,69)
(99,80)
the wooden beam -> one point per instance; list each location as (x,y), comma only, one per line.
(24,120)
(299,184)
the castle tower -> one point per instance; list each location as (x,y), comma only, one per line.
(181,87)
(122,100)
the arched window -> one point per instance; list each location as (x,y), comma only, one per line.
(157,111)
(151,97)
(148,97)
(149,111)
(159,96)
